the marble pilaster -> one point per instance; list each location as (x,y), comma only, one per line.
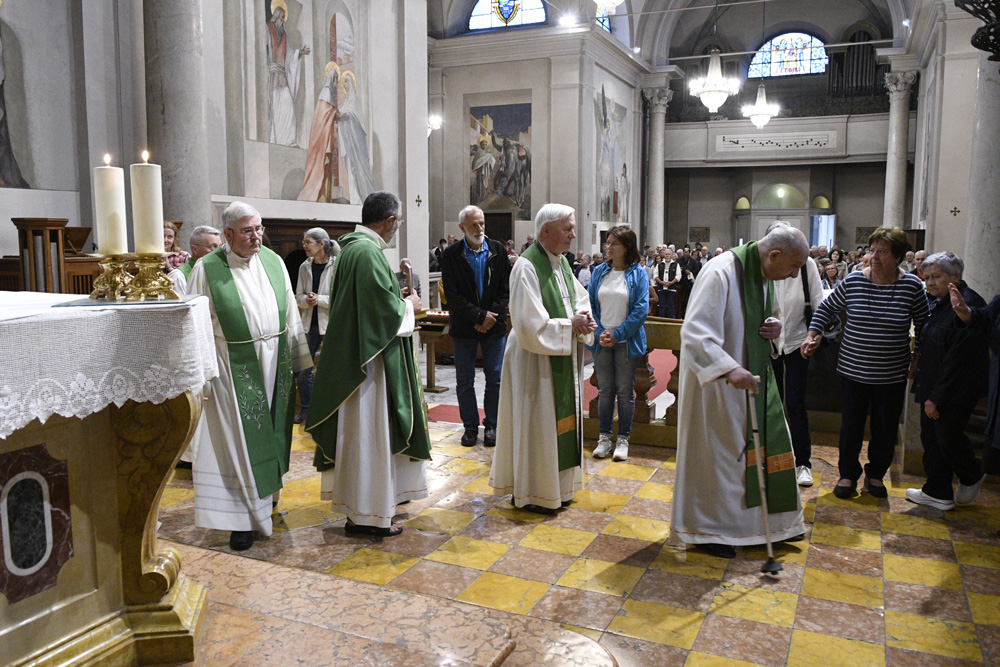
(653,229)
(175,111)
(982,241)
(899,85)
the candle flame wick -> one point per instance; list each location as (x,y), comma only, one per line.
(107,159)
(145,157)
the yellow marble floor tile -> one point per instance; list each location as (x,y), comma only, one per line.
(985,608)
(449,449)
(980,555)
(180,475)
(559,540)
(175,494)
(865,501)
(466,467)
(441,520)
(809,512)
(499,591)
(898,489)
(905,524)
(696,659)
(586,632)
(786,552)
(305,516)
(508,511)
(479,485)
(600,576)
(845,536)
(811,649)
(600,501)
(922,571)
(755,604)
(932,635)
(464,551)
(648,530)
(692,563)
(654,491)
(670,463)
(306,444)
(842,587)
(627,471)
(658,623)
(373,566)
(437,434)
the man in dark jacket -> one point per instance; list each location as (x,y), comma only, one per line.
(475,272)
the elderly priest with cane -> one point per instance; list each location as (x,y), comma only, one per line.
(726,334)
(246,430)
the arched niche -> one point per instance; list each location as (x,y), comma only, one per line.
(742,204)
(819,201)
(780,196)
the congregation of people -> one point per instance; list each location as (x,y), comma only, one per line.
(903,324)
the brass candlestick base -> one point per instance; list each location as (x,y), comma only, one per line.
(151,283)
(115,282)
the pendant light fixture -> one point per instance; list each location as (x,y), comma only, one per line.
(714,89)
(760,113)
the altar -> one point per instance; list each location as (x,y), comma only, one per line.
(96,405)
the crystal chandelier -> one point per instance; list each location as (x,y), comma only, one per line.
(760,112)
(714,89)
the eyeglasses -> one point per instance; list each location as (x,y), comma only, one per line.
(309,242)
(251,231)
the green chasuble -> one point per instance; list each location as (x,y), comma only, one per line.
(366,311)
(775,443)
(186,267)
(563,383)
(266,428)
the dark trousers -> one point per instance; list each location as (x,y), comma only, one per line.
(947,450)
(666,306)
(790,371)
(683,291)
(313,339)
(884,404)
(465,379)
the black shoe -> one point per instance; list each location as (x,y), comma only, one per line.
(183,465)
(490,438)
(718,550)
(876,491)
(300,416)
(845,492)
(240,540)
(538,509)
(567,503)
(469,437)
(795,538)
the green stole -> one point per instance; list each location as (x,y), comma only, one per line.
(366,309)
(267,429)
(776,446)
(563,384)
(186,267)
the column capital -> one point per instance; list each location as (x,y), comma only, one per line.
(658,98)
(985,37)
(899,84)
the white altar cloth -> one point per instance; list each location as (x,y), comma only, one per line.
(75,361)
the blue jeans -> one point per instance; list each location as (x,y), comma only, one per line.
(313,339)
(465,378)
(615,378)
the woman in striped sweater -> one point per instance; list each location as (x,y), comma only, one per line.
(882,301)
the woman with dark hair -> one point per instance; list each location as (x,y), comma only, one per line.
(837,259)
(882,301)
(619,300)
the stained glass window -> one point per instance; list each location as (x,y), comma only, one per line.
(787,55)
(603,19)
(488,14)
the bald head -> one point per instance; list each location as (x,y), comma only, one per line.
(783,251)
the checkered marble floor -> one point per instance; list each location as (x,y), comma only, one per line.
(876,582)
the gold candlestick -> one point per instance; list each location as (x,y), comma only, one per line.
(115,282)
(151,283)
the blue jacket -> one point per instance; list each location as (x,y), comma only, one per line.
(631,330)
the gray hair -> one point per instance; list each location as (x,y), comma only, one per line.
(205,230)
(782,236)
(330,247)
(236,212)
(948,262)
(551,213)
(467,211)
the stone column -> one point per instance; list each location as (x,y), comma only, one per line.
(175,111)
(899,84)
(982,233)
(658,99)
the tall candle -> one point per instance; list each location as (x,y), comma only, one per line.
(147,206)
(109,202)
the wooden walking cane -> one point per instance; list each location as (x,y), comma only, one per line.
(771,566)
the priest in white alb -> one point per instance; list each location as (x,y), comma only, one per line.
(725,343)
(246,428)
(539,430)
(367,413)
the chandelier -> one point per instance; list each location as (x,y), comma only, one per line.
(714,89)
(760,112)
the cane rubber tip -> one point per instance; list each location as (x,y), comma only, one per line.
(771,567)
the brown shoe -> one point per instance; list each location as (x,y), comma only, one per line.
(300,416)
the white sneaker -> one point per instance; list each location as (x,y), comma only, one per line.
(919,497)
(805,476)
(603,446)
(967,494)
(621,449)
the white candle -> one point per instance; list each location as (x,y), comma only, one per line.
(147,206)
(109,202)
